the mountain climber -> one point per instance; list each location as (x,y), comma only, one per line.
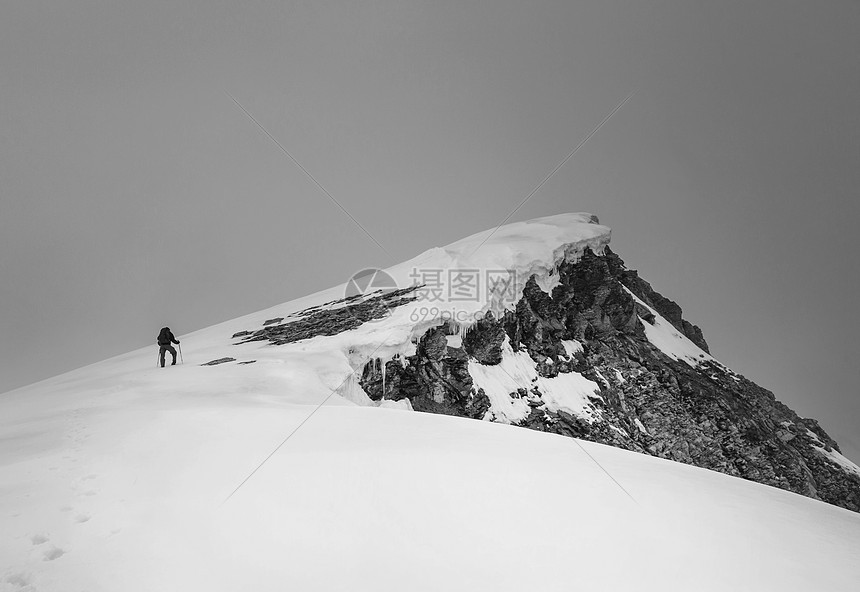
(165,338)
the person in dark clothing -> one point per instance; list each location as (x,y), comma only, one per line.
(165,338)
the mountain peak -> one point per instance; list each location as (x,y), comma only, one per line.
(287,417)
(544,241)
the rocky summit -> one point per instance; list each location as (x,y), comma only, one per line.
(692,411)
(583,347)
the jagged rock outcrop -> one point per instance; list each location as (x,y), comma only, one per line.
(668,309)
(331,318)
(436,379)
(696,413)
(484,341)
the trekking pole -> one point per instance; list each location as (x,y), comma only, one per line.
(157,357)
(180,353)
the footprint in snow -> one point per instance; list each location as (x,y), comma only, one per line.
(38,539)
(20,580)
(53,553)
(81,518)
(81,481)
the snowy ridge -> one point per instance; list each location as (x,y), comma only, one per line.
(534,247)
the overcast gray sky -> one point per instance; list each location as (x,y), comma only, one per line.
(135,194)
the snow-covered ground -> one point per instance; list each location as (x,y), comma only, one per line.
(568,392)
(112,485)
(118,477)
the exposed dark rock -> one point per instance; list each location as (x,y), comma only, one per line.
(535,324)
(354,312)
(594,305)
(643,313)
(273,321)
(219,361)
(436,379)
(241,334)
(483,341)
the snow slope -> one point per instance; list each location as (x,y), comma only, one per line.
(118,477)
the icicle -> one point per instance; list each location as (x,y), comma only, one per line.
(383,379)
